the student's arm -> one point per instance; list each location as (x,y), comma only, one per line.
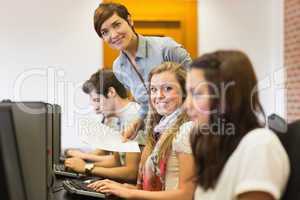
(95,185)
(255,196)
(99,152)
(132,129)
(94,156)
(128,172)
(78,164)
(185,189)
(113,161)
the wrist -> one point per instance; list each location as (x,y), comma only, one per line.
(125,185)
(139,124)
(88,167)
(82,156)
(131,194)
(98,164)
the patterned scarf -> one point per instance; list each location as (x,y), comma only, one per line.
(152,174)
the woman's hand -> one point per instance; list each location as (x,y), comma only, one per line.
(131,130)
(111,187)
(76,164)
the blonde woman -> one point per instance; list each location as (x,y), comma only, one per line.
(167,166)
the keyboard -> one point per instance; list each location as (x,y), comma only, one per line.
(61,170)
(61,167)
(80,187)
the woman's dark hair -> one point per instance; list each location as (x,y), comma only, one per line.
(237,111)
(101,81)
(105,11)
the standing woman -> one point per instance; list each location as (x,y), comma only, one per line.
(236,158)
(138,55)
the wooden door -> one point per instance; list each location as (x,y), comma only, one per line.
(172,18)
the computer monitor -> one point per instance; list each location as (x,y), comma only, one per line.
(33,126)
(11,182)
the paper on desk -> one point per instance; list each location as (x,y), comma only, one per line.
(108,139)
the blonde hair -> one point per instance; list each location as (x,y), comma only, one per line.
(153,117)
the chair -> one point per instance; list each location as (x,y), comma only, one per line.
(289,135)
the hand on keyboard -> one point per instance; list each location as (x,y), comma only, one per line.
(76,164)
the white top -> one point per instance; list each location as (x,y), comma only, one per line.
(181,144)
(260,163)
(126,116)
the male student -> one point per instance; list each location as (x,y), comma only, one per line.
(109,98)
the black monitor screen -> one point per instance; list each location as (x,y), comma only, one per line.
(11,182)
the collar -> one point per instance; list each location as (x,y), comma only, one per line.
(142,50)
(168,121)
(120,112)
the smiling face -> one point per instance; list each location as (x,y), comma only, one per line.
(165,93)
(117,32)
(197,103)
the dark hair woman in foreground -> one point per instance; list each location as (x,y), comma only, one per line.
(236,158)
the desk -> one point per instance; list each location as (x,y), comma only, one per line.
(59,193)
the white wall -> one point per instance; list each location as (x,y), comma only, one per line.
(256,27)
(47,48)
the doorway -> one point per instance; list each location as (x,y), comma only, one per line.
(172,18)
